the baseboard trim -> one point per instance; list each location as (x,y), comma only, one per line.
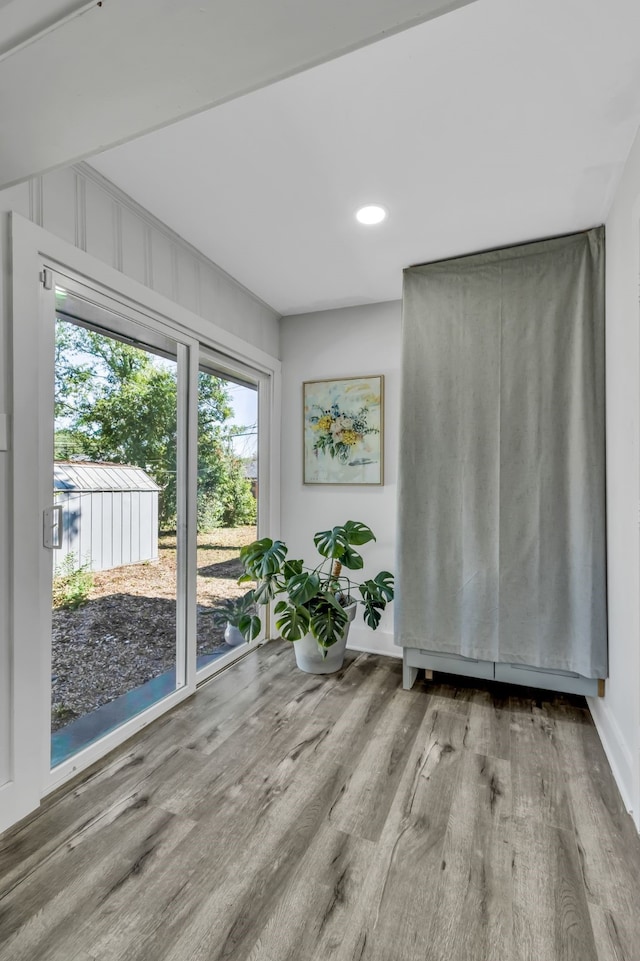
(617,752)
(366,642)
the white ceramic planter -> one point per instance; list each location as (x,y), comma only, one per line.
(309,655)
(232,636)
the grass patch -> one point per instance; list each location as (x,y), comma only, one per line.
(71,585)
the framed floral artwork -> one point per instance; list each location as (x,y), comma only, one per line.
(343,440)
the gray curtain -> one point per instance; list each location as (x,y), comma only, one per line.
(502,462)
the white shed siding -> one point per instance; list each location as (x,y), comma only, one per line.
(135,527)
(125,526)
(105,510)
(110,515)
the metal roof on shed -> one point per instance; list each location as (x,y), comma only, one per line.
(100,477)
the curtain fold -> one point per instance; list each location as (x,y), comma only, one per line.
(502,460)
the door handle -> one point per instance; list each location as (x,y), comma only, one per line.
(52,527)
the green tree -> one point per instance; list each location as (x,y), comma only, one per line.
(116,402)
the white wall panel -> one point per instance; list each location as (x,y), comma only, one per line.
(133,245)
(162,268)
(100,224)
(59,207)
(187,281)
(209,291)
(19,199)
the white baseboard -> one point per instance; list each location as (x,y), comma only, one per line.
(618,754)
(373,642)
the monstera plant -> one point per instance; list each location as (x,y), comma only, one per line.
(315,601)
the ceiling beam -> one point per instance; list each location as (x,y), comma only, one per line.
(106,73)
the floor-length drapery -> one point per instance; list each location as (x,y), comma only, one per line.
(502,461)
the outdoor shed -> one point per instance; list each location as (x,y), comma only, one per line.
(109,514)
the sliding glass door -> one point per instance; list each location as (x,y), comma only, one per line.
(134,477)
(144,544)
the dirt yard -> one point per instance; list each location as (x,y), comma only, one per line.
(126,633)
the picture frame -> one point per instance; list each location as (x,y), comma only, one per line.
(343,431)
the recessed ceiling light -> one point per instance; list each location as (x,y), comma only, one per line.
(371,214)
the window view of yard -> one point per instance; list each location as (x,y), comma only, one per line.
(124,635)
(115,482)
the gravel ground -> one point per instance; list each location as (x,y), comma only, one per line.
(125,634)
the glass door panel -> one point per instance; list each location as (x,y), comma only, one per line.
(227,506)
(117,647)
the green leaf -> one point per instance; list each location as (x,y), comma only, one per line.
(358,533)
(384,580)
(352,560)
(293,622)
(302,587)
(332,543)
(263,557)
(375,594)
(372,613)
(328,620)
(249,626)
(379,589)
(267,589)
(292,567)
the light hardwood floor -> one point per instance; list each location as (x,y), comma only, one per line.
(278,816)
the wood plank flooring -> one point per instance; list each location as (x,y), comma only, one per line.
(279,816)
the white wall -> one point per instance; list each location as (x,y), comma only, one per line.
(81,207)
(617,715)
(342,343)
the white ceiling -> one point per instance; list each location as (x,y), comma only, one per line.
(77,76)
(503,121)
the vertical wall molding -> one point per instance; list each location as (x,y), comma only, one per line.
(198,307)
(117,236)
(148,256)
(81,212)
(175,274)
(36,212)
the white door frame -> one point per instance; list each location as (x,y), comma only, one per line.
(33,250)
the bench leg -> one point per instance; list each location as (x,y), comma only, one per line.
(409,674)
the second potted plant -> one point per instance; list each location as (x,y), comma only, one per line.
(234,614)
(315,605)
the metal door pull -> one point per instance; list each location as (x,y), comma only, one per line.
(52,527)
